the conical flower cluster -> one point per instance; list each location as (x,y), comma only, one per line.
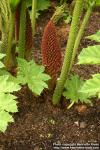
(51,52)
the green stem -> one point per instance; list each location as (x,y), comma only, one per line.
(73,102)
(34,3)
(3,45)
(22,30)
(80,34)
(69,51)
(10,39)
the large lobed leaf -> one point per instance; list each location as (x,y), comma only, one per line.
(7,101)
(92,86)
(33,75)
(90,55)
(72,88)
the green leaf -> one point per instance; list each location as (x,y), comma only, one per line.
(7,101)
(43,4)
(2,56)
(11,78)
(33,75)
(72,87)
(6,86)
(90,55)
(1,65)
(99,95)
(28,3)
(14,3)
(97,3)
(92,86)
(5,118)
(95,37)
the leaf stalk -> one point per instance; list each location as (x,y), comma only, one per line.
(69,51)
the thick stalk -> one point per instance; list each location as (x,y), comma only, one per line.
(10,39)
(80,34)
(34,3)
(22,30)
(4,41)
(69,51)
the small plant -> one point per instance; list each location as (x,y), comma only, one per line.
(71,92)
(33,75)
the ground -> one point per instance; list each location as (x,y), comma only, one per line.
(39,124)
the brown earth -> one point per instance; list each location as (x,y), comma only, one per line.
(39,124)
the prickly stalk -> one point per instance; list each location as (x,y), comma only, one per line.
(69,51)
(80,34)
(8,61)
(22,29)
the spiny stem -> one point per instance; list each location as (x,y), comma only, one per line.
(34,3)
(22,30)
(10,38)
(69,50)
(80,34)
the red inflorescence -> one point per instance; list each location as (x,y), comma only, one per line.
(29,41)
(51,52)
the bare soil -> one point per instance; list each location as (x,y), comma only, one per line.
(38,124)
